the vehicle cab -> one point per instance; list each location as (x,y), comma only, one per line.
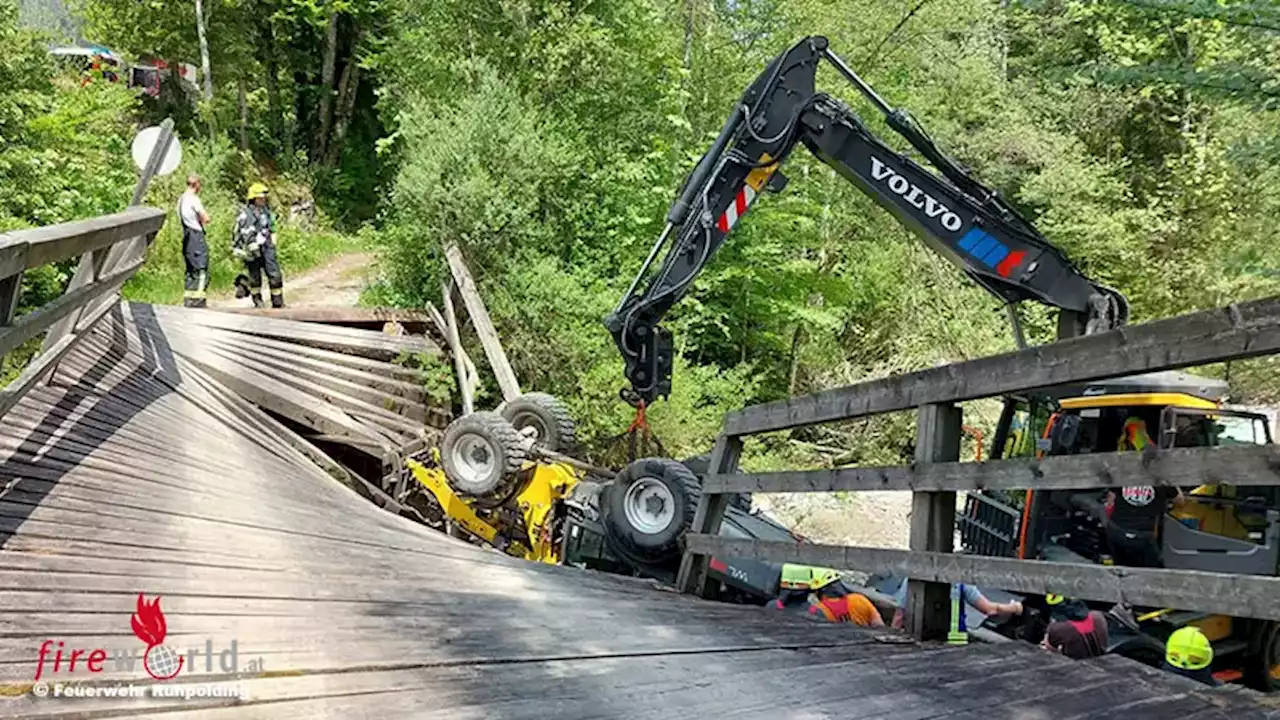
(1218,528)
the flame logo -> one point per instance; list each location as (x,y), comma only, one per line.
(149,625)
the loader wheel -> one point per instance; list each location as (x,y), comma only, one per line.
(482,455)
(1266,664)
(700,465)
(650,505)
(553,426)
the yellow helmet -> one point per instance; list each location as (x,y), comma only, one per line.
(1189,649)
(795,577)
(806,577)
(823,577)
(256,190)
(1054,599)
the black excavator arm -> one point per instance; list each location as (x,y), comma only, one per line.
(955,214)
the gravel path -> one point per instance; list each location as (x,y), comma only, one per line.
(337,283)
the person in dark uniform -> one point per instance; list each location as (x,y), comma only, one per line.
(195,249)
(1134,511)
(254,242)
(1074,630)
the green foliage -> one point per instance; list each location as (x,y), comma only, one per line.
(66,148)
(436,374)
(547,139)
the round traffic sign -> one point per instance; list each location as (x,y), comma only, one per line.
(145,142)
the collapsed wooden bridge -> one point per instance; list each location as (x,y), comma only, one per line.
(223,463)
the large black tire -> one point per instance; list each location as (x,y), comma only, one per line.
(548,417)
(650,505)
(700,465)
(482,455)
(1264,670)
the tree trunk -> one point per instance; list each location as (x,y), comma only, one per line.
(267,50)
(348,87)
(242,103)
(204,52)
(326,88)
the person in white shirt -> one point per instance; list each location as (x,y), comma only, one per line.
(195,251)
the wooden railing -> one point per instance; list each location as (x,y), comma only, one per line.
(1229,333)
(111,248)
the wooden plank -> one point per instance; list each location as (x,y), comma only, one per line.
(1220,593)
(54,243)
(483,324)
(1233,332)
(692,575)
(455,348)
(402,378)
(351,404)
(473,376)
(46,361)
(1243,465)
(37,321)
(283,367)
(298,406)
(330,337)
(928,612)
(339,315)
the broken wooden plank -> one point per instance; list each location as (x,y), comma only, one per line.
(330,337)
(483,324)
(455,348)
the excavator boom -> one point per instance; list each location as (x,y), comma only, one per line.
(956,215)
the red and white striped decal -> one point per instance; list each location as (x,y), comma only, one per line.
(737,208)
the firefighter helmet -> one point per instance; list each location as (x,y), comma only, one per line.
(1189,649)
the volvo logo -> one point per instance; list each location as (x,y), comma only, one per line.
(914,195)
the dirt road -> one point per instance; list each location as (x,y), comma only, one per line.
(337,283)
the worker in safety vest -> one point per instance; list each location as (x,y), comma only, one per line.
(1074,630)
(1189,653)
(1134,511)
(826,597)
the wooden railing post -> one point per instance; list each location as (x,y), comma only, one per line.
(933,520)
(692,577)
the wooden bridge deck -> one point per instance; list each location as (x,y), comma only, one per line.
(143,469)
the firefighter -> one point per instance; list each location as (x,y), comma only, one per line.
(195,249)
(1189,653)
(1074,630)
(830,600)
(254,242)
(793,588)
(823,595)
(1134,511)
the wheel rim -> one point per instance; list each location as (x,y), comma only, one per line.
(649,505)
(530,420)
(475,459)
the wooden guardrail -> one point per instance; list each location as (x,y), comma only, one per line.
(1229,333)
(110,254)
